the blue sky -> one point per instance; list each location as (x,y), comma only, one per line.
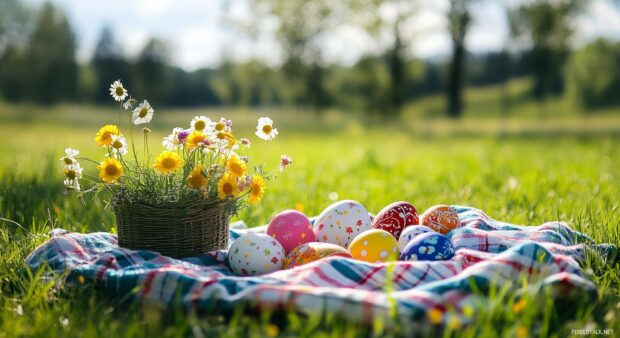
(198,32)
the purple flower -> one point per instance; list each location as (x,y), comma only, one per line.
(182,136)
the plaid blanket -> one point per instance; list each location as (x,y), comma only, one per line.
(487,251)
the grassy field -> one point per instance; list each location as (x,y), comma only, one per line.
(521,170)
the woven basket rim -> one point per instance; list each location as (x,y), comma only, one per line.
(118,202)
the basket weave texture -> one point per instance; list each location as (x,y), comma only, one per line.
(174,229)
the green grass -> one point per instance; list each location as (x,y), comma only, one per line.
(525,171)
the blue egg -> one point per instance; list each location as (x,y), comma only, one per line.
(430,246)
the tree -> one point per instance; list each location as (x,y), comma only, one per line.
(371,16)
(548,27)
(153,75)
(109,65)
(459,21)
(300,26)
(50,55)
(15,22)
(593,74)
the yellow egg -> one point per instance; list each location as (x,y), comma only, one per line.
(374,246)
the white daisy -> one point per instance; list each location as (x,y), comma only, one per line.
(129,103)
(265,129)
(224,125)
(143,113)
(73,171)
(244,141)
(72,184)
(203,124)
(69,157)
(118,92)
(172,142)
(118,145)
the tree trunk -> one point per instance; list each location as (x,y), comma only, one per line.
(455,83)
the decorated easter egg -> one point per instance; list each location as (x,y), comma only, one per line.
(396,217)
(430,246)
(291,228)
(410,233)
(375,246)
(255,254)
(341,222)
(441,218)
(313,251)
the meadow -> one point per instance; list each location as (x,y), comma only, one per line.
(524,170)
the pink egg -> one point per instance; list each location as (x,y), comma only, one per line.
(291,228)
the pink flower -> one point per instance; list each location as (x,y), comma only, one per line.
(285,161)
(245,142)
(274,260)
(349,230)
(182,136)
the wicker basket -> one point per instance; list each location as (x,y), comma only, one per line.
(175,229)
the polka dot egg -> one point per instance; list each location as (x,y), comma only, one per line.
(311,252)
(441,218)
(430,246)
(291,228)
(410,233)
(255,254)
(374,246)
(341,222)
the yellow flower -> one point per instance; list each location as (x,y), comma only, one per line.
(104,135)
(196,179)
(257,189)
(519,306)
(235,166)
(195,139)
(522,332)
(228,137)
(110,170)
(168,162)
(227,187)
(435,315)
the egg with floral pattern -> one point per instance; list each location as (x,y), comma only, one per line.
(375,246)
(396,217)
(291,228)
(430,246)
(313,251)
(255,254)
(441,218)
(341,222)
(410,233)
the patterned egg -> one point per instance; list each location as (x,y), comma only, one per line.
(255,254)
(375,246)
(396,217)
(313,251)
(291,228)
(341,222)
(410,233)
(430,246)
(441,218)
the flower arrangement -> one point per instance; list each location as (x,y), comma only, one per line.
(204,163)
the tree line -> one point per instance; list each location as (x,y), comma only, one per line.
(38,59)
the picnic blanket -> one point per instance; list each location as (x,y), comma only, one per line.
(487,252)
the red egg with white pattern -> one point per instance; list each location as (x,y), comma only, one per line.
(395,217)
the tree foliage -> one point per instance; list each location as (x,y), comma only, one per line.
(547,26)
(593,74)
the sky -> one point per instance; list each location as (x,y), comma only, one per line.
(200,34)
